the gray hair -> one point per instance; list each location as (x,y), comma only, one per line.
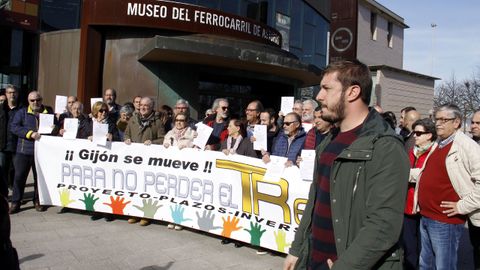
(127,109)
(451,108)
(11,86)
(216,103)
(182,101)
(311,102)
(152,102)
(80,105)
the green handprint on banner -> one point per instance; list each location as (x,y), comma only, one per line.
(177,214)
(89,200)
(281,239)
(65,197)
(205,223)
(149,207)
(255,233)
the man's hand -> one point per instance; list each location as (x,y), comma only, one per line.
(289,262)
(330,263)
(266,158)
(35,135)
(289,163)
(147,142)
(128,141)
(451,210)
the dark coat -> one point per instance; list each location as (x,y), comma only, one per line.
(8,140)
(368,184)
(24,123)
(153,130)
(281,148)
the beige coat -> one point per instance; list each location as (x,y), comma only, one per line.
(463,168)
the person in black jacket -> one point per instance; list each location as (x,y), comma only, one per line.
(8,254)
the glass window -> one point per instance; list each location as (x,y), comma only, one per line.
(308,42)
(60,14)
(296,26)
(373,25)
(229,6)
(390,35)
(208,3)
(310,15)
(283,6)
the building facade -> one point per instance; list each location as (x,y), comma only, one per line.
(196,50)
(370,32)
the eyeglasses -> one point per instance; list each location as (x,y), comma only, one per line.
(288,123)
(420,133)
(475,123)
(181,108)
(102,110)
(35,100)
(179,120)
(224,108)
(443,120)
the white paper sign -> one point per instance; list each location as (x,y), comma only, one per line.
(275,168)
(100,132)
(307,126)
(260,134)
(46,123)
(70,128)
(307,164)
(60,104)
(95,100)
(287,105)
(203,133)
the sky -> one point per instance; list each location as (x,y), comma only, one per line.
(453,45)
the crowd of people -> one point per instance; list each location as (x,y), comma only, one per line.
(383,195)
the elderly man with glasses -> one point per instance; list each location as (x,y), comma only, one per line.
(288,143)
(25,126)
(448,192)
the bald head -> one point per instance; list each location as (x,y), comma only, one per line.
(410,118)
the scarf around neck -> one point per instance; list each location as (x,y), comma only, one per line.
(233,149)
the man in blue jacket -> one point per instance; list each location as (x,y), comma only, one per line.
(25,125)
(289,142)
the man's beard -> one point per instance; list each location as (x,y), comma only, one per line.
(337,112)
(307,118)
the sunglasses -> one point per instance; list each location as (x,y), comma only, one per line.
(102,110)
(288,123)
(224,108)
(35,100)
(420,133)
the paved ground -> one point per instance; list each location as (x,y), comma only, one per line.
(71,240)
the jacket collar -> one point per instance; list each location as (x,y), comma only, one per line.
(30,111)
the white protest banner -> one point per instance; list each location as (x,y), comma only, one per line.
(286,105)
(204,190)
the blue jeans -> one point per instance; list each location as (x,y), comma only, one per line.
(439,244)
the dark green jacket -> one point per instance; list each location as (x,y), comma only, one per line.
(368,184)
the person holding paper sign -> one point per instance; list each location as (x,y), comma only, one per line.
(101,115)
(252,113)
(68,112)
(25,126)
(237,141)
(83,121)
(309,106)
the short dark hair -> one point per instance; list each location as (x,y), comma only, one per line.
(239,123)
(353,73)
(428,125)
(390,118)
(271,113)
(408,109)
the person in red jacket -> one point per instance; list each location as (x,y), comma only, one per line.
(424,133)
